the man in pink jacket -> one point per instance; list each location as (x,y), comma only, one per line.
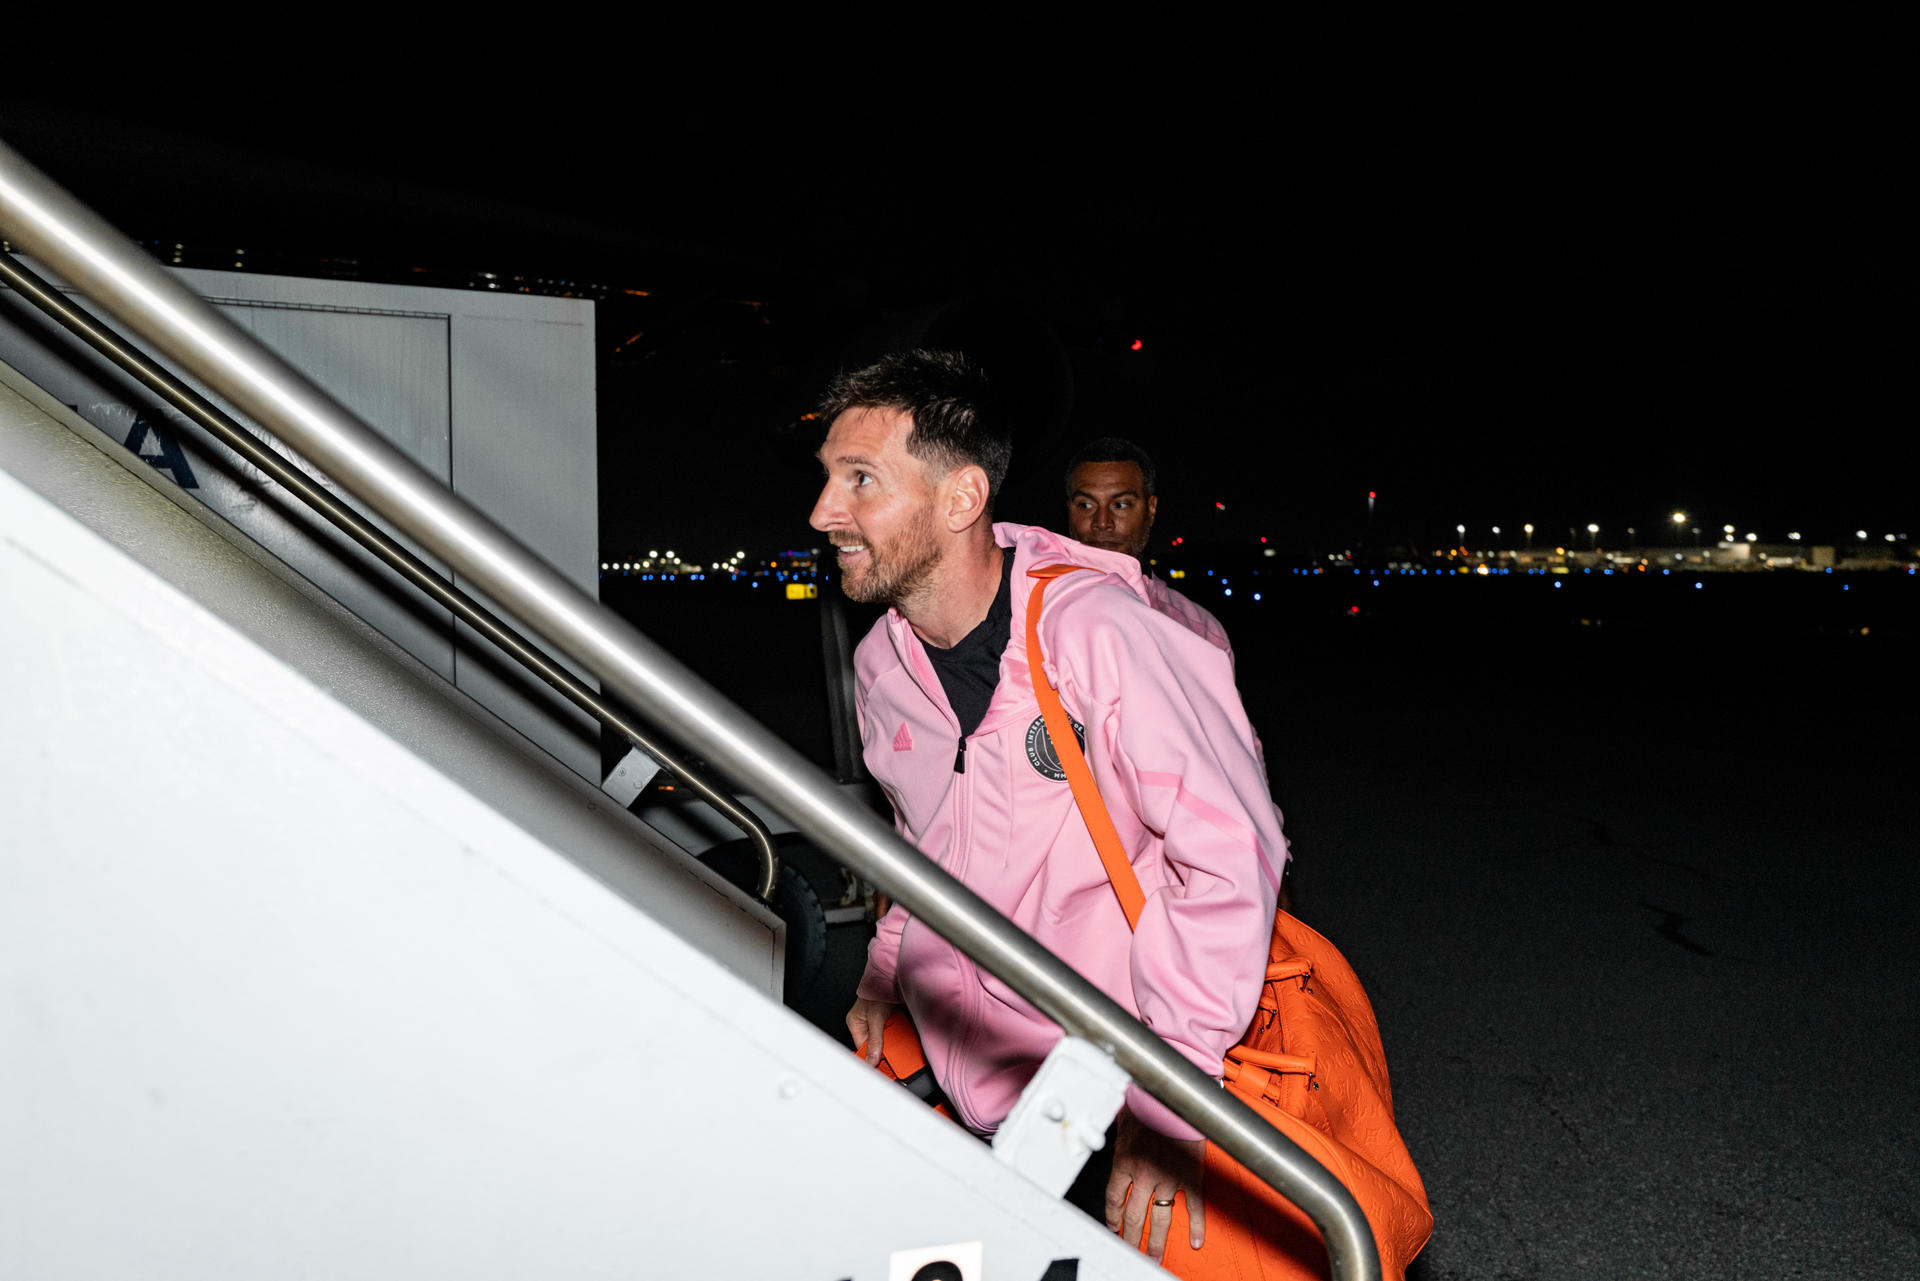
(951,729)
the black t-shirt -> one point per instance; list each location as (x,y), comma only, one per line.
(970,671)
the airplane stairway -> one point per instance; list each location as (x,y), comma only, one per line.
(306,970)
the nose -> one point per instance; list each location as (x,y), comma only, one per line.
(826,509)
(1103,517)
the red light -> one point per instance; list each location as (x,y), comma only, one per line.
(1137,344)
(1353,609)
(1219,507)
(1371,495)
(1263,538)
(1178,541)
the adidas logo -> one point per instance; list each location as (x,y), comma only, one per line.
(903,741)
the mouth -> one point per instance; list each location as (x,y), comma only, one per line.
(844,550)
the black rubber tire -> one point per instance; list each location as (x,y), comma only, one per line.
(794,902)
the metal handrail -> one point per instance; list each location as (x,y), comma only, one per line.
(376,540)
(102,264)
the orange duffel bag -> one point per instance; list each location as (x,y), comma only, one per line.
(1311,1065)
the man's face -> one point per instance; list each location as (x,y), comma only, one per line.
(1108,507)
(877,508)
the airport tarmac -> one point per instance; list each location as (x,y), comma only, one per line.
(1639,926)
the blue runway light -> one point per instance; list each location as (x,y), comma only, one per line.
(1559,585)
(1229,591)
(1697,585)
(1256,595)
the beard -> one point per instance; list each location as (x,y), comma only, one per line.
(896,573)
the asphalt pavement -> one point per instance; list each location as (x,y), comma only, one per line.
(1636,911)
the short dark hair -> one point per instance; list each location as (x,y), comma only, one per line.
(957,421)
(1114,449)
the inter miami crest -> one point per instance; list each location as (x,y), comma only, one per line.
(1040,753)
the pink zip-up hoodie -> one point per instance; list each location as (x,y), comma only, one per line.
(1170,747)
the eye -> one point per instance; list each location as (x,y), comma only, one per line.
(861,478)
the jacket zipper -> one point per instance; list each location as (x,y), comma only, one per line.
(970,993)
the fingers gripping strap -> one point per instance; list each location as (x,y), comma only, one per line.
(1086,793)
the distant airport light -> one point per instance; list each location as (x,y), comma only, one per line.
(1496,531)
(1889,537)
(1794,537)
(1860,534)
(1752,537)
(1219,506)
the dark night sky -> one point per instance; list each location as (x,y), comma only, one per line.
(1499,264)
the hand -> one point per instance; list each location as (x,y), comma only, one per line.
(867,1022)
(1147,1167)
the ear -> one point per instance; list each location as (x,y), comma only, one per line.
(1153,508)
(967,492)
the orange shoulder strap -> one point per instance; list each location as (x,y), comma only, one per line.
(1086,793)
